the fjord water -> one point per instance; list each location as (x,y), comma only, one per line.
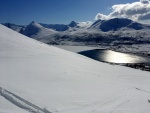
(115,57)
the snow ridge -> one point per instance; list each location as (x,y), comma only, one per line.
(22,103)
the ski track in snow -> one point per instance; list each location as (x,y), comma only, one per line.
(105,104)
(21,103)
(141,90)
(119,106)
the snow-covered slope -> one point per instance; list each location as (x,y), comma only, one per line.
(35,30)
(38,78)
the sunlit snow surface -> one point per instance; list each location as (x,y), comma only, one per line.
(59,81)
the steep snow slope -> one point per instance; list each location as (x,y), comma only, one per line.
(35,77)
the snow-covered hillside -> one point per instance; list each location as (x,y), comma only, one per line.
(35,30)
(38,78)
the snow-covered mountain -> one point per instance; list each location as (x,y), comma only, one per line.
(38,78)
(72,24)
(35,30)
(116,24)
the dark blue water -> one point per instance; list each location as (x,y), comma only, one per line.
(115,57)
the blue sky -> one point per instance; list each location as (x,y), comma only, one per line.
(54,11)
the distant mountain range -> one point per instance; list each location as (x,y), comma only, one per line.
(114,31)
(18,28)
(116,24)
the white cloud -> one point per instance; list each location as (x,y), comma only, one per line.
(136,11)
(85,24)
(144,16)
(101,16)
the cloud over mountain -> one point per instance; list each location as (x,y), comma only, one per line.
(101,16)
(136,11)
(85,24)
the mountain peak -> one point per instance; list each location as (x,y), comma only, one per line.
(35,24)
(32,28)
(32,22)
(72,24)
